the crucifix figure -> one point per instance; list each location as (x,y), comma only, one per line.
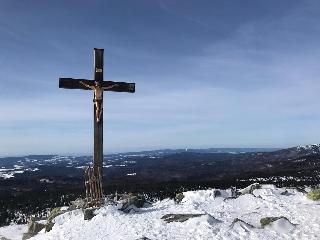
(98,86)
(98,96)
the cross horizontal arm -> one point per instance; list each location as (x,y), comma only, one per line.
(119,86)
(71,83)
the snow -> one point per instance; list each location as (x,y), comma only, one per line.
(312,148)
(17,166)
(81,167)
(224,218)
(6,175)
(10,172)
(13,232)
(131,174)
(107,166)
(45,180)
(282,225)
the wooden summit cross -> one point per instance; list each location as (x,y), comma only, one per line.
(98,86)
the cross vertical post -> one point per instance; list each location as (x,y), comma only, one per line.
(93,182)
(98,125)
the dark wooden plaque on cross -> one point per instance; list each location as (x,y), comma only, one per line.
(98,86)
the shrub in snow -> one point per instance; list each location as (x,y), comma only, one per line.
(178,198)
(49,226)
(314,194)
(54,213)
(267,220)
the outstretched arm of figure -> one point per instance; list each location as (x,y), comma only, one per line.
(110,87)
(86,85)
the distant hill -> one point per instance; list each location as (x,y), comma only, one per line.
(232,164)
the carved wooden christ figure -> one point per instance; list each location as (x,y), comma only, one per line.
(98,96)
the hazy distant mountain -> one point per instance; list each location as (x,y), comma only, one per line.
(174,165)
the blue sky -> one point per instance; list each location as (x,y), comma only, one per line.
(208,74)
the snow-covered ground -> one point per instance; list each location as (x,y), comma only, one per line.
(13,232)
(302,218)
(9,173)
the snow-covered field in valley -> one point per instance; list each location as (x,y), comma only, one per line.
(223,217)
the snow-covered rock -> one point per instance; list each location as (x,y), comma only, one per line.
(179,217)
(250,189)
(280,225)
